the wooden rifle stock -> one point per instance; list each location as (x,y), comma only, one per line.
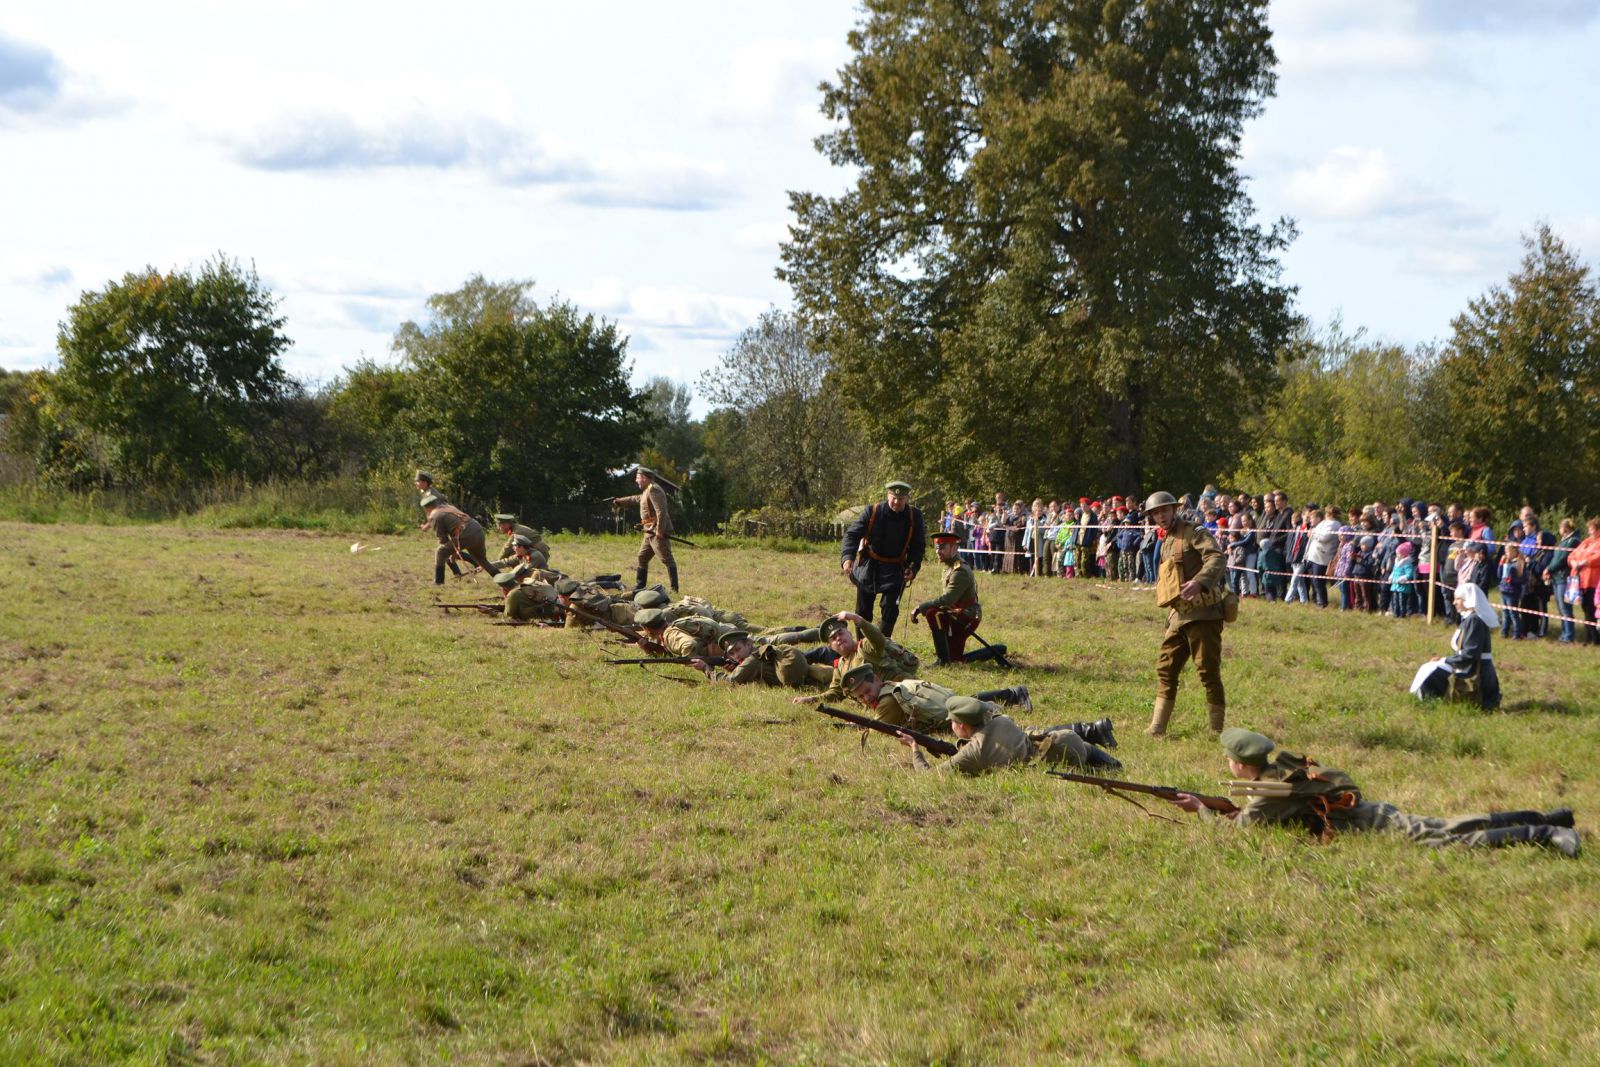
(711,661)
(588,616)
(1165,792)
(938,746)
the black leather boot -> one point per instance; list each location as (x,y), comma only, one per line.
(641,576)
(672,576)
(1101,760)
(1561,838)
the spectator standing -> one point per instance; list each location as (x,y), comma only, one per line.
(1585,563)
(1559,573)
(1512,576)
(1321,548)
(1402,581)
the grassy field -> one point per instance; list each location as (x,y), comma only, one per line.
(262,803)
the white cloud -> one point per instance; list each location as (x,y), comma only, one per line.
(761,236)
(775,80)
(679,309)
(1350,183)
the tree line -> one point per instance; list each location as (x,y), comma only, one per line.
(1044,276)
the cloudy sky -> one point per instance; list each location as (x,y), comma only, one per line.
(634,157)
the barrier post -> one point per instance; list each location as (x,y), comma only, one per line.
(1433,565)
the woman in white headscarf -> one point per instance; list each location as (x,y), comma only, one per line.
(1470,673)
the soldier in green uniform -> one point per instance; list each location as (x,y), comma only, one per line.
(592,599)
(526,599)
(692,635)
(460,537)
(891,660)
(774,665)
(656,521)
(1191,584)
(1325,811)
(988,740)
(424,483)
(538,550)
(656,597)
(925,706)
(953,616)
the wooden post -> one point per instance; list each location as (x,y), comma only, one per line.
(1433,565)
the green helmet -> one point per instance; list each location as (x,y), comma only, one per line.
(1160,499)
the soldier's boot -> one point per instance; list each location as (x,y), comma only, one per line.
(1158,721)
(1559,817)
(641,576)
(1499,819)
(672,576)
(1097,733)
(1218,715)
(1563,839)
(1015,697)
(1097,759)
(438,574)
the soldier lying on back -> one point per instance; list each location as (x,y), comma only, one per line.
(989,740)
(1292,790)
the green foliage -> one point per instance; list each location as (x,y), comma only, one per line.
(673,432)
(1047,241)
(1515,398)
(1345,426)
(370,409)
(525,404)
(168,379)
(776,433)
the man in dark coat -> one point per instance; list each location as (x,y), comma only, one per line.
(882,553)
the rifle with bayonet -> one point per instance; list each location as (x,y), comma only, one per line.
(938,746)
(710,661)
(1165,792)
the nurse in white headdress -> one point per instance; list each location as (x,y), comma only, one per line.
(1469,673)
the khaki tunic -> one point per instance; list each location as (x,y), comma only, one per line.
(774,665)
(960,592)
(1190,552)
(694,636)
(923,706)
(541,550)
(656,519)
(891,661)
(1000,743)
(529,601)
(620,612)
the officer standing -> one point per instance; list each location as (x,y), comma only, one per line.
(655,520)
(883,551)
(1190,584)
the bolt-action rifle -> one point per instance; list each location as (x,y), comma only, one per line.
(1165,792)
(710,661)
(670,537)
(938,746)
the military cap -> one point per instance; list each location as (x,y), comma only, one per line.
(969,710)
(897,487)
(431,500)
(423,476)
(864,672)
(728,640)
(651,598)
(1160,499)
(650,618)
(566,587)
(501,516)
(946,537)
(829,627)
(1247,746)
(504,578)
(522,541)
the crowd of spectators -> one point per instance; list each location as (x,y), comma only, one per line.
(1373,557)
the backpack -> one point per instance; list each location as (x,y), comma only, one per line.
(1319,790)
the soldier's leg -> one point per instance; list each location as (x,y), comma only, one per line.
(941,644)
(824,655)
(642,564)
(956,631)
(444,556)
(1067,747)
(819,673)
(1012,697)
(891,610)
(864,600)
(663,549)
(1170,659)
(1205,647)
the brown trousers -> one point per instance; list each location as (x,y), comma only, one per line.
(652,546)
(1200,641)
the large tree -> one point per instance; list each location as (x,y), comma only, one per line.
(171,378)
(1515,397)
(1046,273)
(520,403)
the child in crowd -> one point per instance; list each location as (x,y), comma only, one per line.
(1363,566)
(1402,581)
(1512,575)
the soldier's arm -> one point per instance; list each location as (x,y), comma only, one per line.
(1213,563)
(623,501)
(835,690)
(853,536)
(960,586)
(919,543)
(872,637)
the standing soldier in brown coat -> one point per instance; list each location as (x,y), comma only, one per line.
(1190,583)
(460,537)
(656,521)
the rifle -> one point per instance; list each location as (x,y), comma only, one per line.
(938,746)
(670,537)
(487,609)
(711,661)
(1165,792)
(586,615)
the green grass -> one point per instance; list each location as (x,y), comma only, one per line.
(261,803)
